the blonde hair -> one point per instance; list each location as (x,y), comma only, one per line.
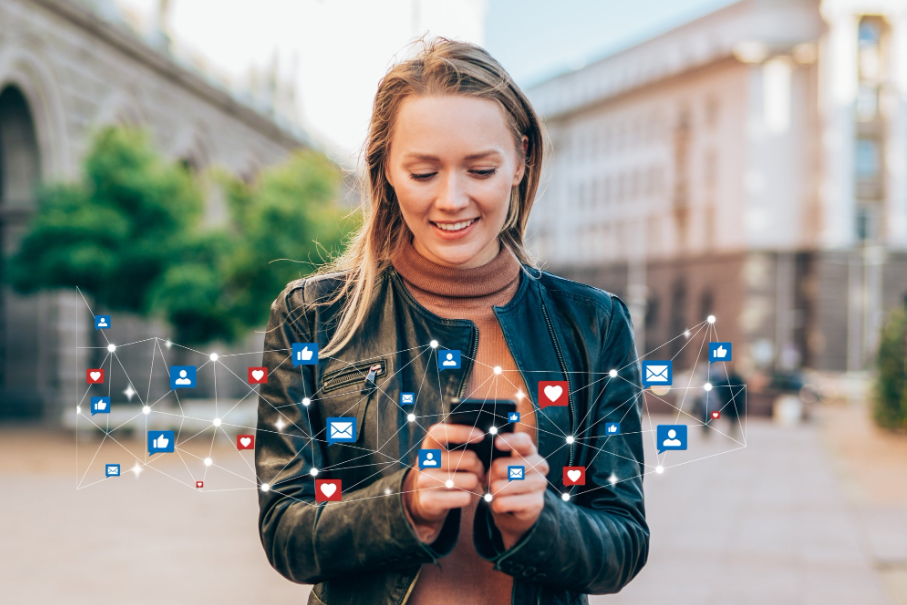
(440,67)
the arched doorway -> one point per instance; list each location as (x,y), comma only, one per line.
(20,320)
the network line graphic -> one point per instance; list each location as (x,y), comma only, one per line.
(174,426)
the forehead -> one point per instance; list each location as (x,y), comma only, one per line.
(449,123)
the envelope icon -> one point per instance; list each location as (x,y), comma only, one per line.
(515,472)
(657,373)
(407,398)
(341,430)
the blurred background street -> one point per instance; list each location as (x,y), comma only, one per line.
(743,159)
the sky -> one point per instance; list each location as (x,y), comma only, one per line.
(336,51)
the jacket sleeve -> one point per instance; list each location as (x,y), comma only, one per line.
(308,541)
(597,541)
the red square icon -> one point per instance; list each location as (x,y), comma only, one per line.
(716,415)
(553,392)
(327,490)
(245,442)
(199,484)
(574,475)
(258,375)
(94,375)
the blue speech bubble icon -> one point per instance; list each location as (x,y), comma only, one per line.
(341,430)
(429,459)
(101,322)
(671,437)
(100,405)
(448,360)
(182,377)
(160,442)
(112,470)
(305,353)
(720,351)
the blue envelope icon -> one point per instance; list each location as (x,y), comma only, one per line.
(515,473)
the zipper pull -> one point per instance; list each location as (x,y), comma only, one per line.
(370,385)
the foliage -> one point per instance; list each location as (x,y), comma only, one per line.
(890,405)
(132,236)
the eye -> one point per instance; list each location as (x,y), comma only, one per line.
(485,173)
(422,177)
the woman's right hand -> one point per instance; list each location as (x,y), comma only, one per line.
(427,494)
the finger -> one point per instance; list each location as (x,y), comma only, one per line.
(534,464)
(434,502)
(532,483)
(437,479)
(519,443)
(521,506)
(466,461)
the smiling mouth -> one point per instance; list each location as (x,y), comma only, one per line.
(454,226)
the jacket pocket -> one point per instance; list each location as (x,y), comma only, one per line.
(347,391)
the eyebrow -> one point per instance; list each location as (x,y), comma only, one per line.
(412,155)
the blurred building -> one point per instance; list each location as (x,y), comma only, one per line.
(750,164)
(65,69)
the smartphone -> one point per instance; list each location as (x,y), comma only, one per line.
(482,414)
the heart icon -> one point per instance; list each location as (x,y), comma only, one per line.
(257,374)
(574,475)
(95,376)
(245,441)
(328,489)
(552,392)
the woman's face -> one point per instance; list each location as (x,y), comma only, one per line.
(452,164)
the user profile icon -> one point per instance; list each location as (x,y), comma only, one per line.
(448,360)
(182,377)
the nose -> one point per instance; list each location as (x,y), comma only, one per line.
(452,196)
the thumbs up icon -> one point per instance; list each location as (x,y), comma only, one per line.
(161,443)
(305,353)
(719,351)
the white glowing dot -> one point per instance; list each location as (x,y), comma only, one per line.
(313,472)
(214,356)
(612,373)
(78,409)
(659,469)
(488,497)
(387,491)
(129,392)
(434,344)
(687,334)
(168,344)
(493,430)
(707,386)
(411,417)
(565,497)
(265,487)
(570,439)
(146,409)
(711,319)
(306,401)
(136,469)
(217,422)
(208,462)
(520,394)
(111,347)
(612,479)
(448,483)
(279,424)
(497,369)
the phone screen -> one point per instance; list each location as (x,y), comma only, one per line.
(482,414)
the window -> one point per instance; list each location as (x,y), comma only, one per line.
(868,159)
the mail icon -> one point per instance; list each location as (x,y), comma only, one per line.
(515,473)
(341,430)
(407,398)
(657,373)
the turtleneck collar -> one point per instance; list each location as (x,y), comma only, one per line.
(452,282)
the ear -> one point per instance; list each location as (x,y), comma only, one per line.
(387,173)
(521,166)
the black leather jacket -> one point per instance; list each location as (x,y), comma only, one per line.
(363,549)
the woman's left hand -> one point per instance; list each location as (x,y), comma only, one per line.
(516,505)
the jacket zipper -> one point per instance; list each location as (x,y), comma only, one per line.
(346,376)
(563,363)
(412,585)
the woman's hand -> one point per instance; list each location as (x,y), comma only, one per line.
(516,505)
(427,495)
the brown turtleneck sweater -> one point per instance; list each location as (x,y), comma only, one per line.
(464,576)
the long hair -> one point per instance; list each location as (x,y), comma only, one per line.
(440,67)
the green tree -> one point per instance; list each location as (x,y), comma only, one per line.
(890,402)
(130,235)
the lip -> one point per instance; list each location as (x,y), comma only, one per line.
(455,234)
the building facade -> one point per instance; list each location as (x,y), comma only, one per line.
(64,71)
(751,164)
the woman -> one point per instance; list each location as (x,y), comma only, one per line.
(454,155)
